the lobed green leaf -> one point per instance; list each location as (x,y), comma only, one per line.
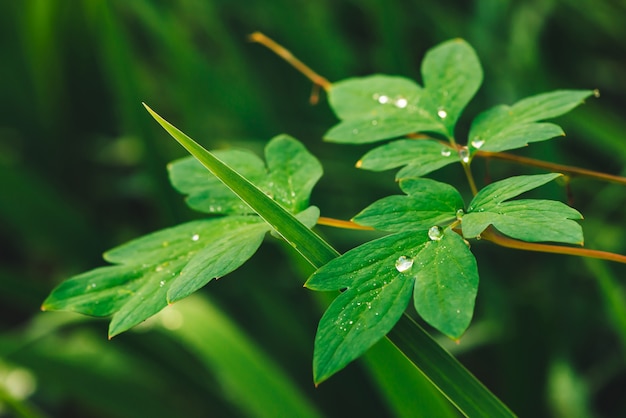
(382,107)
(508,127)
(419,156)
(427,203)
(526,219)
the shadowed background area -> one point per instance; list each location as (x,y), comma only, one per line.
(82,169)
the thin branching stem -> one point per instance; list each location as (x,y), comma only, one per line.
(291,59)
(491,234)
(558,168)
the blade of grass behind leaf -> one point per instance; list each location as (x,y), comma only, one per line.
(462,388)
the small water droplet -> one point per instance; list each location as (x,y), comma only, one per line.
(435,233)
(195,237)
(442,113)
(459,214)
(458,311)
(350,322)
(162,283)
(464,154)
(382,99)
(477,142)
(446,152)
(403,264)
(158,268)
(93,285)
(355,131)
(374,122)
(401,103)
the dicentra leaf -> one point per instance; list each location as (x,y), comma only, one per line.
(419,156)
(525,219)
(289,177)
(382,107)
(149,266)
(427,203)
(507,127)
(378,278)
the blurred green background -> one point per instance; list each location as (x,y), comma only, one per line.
(82,169)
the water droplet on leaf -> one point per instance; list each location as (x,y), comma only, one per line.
(459,214)
(382,99)
(355,131)
(446,152)
(374,122)
(162,283)
(464,154)
(195,237)
(401,103)
(435,233)
(403,264)
(478,142)
(442,113)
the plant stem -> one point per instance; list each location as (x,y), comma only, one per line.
(338,223)
(291,59)
(491,234)
(470,178)
(559,168)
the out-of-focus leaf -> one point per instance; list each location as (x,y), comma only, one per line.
(428,203)
(507,127)
(381,107)
(525,219)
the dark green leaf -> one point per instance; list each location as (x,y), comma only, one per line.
(420,157)
(446,283)
(508,127)
(381,107)
(528,220)
(428,203)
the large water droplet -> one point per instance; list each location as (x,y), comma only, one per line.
(403,264)
(195,237)
(442,113)
(401,102)
(477,142)
(435,233)
(464,154)
(446,152)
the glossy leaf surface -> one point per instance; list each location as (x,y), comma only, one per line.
(508,127)
(427,203)
(381,107)
(526,219)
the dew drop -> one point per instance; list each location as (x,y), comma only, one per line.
(374,122)
(355,131)
(401,103)
(382,99)
(446,152)
(195,237)
(162,283)
(158,268)
(464,154)
(435,233)
(442,113)
(403,264)
(459,214)
(93,285)
(478,142)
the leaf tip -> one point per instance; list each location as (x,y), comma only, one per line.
(596,93)
(359,164)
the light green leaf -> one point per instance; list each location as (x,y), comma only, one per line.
(528,220)
(419,156)
(428,203)
(509,127)
(382,107)
(452,75)
(289,177)
(446,284)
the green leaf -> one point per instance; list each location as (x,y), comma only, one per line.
(378,277)
(149,266)
(454,380)
(525,219)
(428,203)
(289,177)
(509,127)
(381,107)
(419,156)
(446,284)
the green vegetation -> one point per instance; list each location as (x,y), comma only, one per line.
(532,332)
